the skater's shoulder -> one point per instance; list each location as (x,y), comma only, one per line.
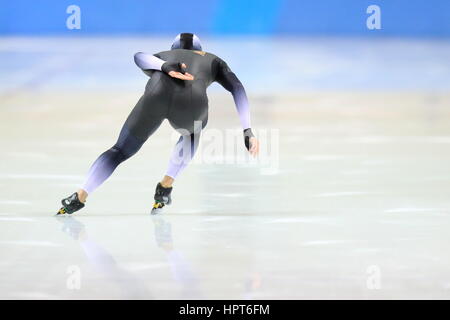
(162,53)
(184,52)
(212,56)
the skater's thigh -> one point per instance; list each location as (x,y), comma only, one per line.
(127,143)
(146,116)
(189,113)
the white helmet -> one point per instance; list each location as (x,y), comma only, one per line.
(186,41)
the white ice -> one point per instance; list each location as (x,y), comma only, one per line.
(356,204)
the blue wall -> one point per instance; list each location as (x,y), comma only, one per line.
(266,17)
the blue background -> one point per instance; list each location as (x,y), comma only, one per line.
(252,17)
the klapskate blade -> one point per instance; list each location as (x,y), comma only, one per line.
(61,212)
(156,210)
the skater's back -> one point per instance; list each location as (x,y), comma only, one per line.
(202,65)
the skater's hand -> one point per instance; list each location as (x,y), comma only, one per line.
(254,146)
(177,70)
(251,143)
(179,75)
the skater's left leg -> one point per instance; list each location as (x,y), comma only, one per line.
(126,146)
(142,122)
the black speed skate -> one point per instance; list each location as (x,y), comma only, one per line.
(162,197)
(70,204)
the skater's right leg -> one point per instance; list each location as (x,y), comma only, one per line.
(167,181)
(181,156)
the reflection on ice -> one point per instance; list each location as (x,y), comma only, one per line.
(132,286)
(101,259)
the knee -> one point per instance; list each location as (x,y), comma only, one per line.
(126,146)
(122,154)
(189,145)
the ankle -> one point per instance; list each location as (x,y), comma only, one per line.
(167,182)
(82,195)
(166,185)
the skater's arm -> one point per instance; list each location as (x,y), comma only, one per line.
(230,82)
(148,62)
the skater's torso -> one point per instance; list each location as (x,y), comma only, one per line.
(200,64)
(183,103)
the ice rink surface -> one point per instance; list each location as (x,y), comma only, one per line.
(353,202)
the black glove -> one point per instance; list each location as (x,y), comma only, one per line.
(173,66)
(247,135)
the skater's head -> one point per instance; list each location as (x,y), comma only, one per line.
(186,41)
